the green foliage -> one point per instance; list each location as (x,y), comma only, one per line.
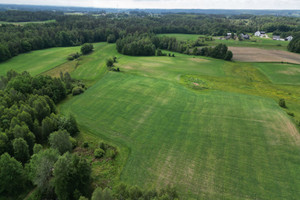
(4,143)
(109,62)
(100,194)
(73,56)
(40,169)
(111,153)
(85,144)
(73,142)
(228,55)
(99,153)
(60,140)
(136,45)
(294,45)
(12,176)
(87,48)
(83,198)
(37,148)
(77,91)
(111,38)
(71,173)
(21,151)
(282,103)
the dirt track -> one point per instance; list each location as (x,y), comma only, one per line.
(248,54)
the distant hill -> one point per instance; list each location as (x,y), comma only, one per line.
(294,13)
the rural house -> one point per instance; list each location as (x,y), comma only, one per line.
(276,37)
(289,38)
(260,34)
(245,37)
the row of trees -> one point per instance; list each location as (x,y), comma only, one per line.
(28,16)
(77,30)
(150,45)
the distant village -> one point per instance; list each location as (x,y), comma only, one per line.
(261,34)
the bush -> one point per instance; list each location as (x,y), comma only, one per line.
(73,56)
(73,142)
(87,48)
(111,153)
(70,58)
(228,56)
(85,145)
(109,62)
(77,91)
(291,114)
(282,103)
(99,153)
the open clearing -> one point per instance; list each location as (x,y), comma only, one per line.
(246,54)
(211,144)
(255,42)
(37,62)
(229,141)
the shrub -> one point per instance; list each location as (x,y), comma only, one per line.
(87,48)
(70,58)
(111,153)
(282,103)
(109,62)
(99,153)
(77,91)
(291,114)
(85,145)
(73,142)
(73,56)
(228,56)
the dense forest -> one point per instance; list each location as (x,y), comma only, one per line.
(76,30)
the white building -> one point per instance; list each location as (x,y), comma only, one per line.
(260,34)
(289,38)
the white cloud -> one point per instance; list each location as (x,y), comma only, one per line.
(181,4)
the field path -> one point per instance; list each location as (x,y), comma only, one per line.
(248,54)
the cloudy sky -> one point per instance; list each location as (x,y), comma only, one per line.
(200,4)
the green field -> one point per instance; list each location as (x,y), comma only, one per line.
(209,127)
(37,62)
(23,23)
(281,73)
(256,42)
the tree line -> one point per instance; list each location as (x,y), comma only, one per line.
(150,45)
(77,30)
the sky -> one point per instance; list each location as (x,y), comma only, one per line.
(168,4)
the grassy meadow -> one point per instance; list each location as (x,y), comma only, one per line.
(255,42)
(211,128)
(39,61)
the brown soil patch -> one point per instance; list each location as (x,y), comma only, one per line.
(248,54)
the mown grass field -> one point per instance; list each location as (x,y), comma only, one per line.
(37,62)
(255,42)
(211,128)
(230,141)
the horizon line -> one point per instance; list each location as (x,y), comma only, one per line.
(70,6)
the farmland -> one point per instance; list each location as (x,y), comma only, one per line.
(37,62)
(255,42)
(150,108)
(211,128)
